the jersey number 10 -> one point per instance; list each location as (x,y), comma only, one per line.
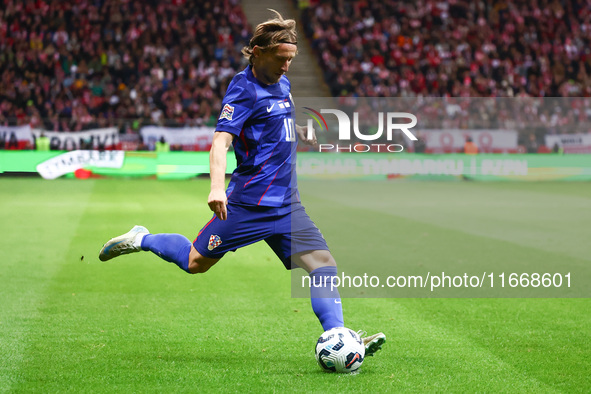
(289,126)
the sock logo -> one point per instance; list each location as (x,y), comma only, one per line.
(214,242)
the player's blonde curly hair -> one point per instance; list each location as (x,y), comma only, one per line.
(270,34)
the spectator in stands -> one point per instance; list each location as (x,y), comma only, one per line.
(470,147)
(42,143)
(162,146)
(532,145)
(419,145)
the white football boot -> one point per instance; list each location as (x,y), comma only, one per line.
(372,343)
(123,244)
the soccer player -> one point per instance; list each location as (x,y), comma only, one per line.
(262,200)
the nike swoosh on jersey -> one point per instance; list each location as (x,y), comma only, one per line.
(270,108)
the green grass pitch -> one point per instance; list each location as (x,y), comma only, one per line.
(69,323)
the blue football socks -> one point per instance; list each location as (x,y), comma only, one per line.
(326,301)
(174,248)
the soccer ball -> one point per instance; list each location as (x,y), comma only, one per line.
(340,350)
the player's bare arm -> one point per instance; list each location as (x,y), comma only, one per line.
(217,199)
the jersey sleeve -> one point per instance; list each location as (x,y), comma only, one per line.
(237,107)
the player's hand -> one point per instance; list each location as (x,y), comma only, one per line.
(217,202)
(303,135)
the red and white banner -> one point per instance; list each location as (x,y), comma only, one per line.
(71,161)
(570,143)
(487,141)
(106,138)
(190,138)
(16,137)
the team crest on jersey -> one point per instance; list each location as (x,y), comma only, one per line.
(214,242)
(227,112)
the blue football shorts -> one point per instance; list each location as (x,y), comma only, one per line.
(287,230)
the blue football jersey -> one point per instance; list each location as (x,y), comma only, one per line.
(262,118)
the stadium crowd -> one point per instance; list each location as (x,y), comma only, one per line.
(83,64)
(73,65)
(458,48)
(519,49)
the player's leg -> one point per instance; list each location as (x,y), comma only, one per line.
(312,260)
(199,264)
(177,249)
(321,266)
(324,295)
(215,239)
(311,253)
(298,242)
(326,301)
(242,227)
(174,248)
